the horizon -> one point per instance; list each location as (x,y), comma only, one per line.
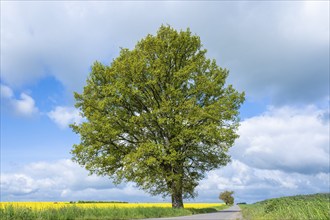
(168,202)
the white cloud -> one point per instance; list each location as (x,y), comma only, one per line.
(64,47)
(17,184)
(288,139)
(6,92)
(272,48)
(309,19)
(63,116)
(252,184)
(284,151)
(25,106)
(63,180)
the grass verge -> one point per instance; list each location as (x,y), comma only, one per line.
(78,213)
(303,207)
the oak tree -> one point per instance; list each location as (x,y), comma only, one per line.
(160,115)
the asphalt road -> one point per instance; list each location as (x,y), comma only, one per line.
(232,213)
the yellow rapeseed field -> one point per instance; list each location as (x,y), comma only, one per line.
(47,205)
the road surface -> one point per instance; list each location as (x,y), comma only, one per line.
(231,213)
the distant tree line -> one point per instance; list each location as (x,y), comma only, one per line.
(81,201)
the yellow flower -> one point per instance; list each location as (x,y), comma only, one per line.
(48,205)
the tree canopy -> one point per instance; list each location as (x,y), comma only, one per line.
(227,197)
(160,115)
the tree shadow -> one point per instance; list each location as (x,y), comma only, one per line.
(229,211)
(202,210)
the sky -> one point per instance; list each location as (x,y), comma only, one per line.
(276,51)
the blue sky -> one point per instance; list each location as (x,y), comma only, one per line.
(277,52)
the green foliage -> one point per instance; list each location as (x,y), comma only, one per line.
(159,115)
(290,208)
(227,197)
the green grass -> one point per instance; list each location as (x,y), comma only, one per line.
(78,213)
(301,207)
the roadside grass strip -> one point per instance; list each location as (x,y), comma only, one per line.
(304,207)
(66,210)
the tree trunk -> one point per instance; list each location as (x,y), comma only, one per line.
(177,199)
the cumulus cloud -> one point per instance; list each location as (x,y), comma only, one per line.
(252,184)
(12,184)
(277,49)
(25,106)
(284,151)
(64,47)
(288,139)
(63,180)
(63,116)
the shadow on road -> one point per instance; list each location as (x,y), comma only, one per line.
(202,211)
(232,213)
(229,211)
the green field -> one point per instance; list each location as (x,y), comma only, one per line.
(309,207)
(75,212)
